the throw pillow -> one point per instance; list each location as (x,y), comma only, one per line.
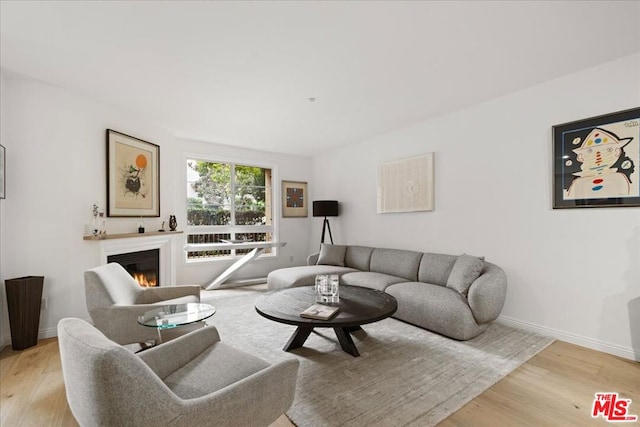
(332,255)
(465,270)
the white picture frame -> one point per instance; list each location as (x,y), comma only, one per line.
(407,185)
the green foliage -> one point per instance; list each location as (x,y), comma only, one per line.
(223,217)
(208,217)
(194,203)
(214,183)
(214,186)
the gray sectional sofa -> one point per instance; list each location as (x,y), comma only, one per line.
(456,296)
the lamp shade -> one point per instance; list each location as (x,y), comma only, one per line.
(325,208)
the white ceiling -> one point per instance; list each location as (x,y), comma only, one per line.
(241,73)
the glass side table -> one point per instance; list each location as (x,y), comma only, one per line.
(184,317)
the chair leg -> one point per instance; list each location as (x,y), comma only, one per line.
(145,346)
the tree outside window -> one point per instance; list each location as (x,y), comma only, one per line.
(227,201)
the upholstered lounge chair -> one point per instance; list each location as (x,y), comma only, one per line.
(115,300)
(193,380)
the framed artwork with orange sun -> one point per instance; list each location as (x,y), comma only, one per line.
(133,176)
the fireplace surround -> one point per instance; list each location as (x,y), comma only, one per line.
(164,243)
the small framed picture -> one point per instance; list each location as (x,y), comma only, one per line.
(133,176)
(295,200)
(596,161)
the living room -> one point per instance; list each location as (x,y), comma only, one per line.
(572,274)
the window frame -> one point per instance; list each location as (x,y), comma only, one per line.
(232,228)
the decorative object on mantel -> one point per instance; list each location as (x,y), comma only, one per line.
(406,185)
(173,223)
(596,161)
(129,235)
(2,172)
(133,176)
(162,227)
(141,226)
(294,203)
(98,222)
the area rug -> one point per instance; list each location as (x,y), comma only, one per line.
(405,376)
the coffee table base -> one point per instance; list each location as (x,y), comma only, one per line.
(301,334)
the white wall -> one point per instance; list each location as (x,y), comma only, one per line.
(56,150)
(4,327)
(573,274)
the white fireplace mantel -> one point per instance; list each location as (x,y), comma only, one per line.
(164,242)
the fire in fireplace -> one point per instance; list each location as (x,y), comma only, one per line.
(144,266)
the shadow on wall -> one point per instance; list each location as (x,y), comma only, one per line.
(614,303)
(633,305)
(634,322)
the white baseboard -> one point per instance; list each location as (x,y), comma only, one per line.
(47,333)
(626,352)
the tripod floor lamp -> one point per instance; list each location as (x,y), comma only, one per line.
(325,208)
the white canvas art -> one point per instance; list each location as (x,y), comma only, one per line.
(406,185)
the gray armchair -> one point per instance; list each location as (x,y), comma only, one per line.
(115,300)
(193,380)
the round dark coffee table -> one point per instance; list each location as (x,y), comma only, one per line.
(358,306)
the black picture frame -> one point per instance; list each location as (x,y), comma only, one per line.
(596,161)
(133,176)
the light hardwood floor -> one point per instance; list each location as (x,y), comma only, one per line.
(554,388)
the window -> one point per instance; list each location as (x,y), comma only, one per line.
(228,201)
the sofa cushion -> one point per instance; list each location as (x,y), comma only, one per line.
(396,262)
(368,279)
(332,255)
(436,268)
(358,257)
(466,269)
(301,276)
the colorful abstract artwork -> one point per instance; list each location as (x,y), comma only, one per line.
(133,169)
(294,199)
(597,160)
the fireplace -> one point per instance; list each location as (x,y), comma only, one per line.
(144,266)
(163,242)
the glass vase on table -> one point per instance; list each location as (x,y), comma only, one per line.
(328,288)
